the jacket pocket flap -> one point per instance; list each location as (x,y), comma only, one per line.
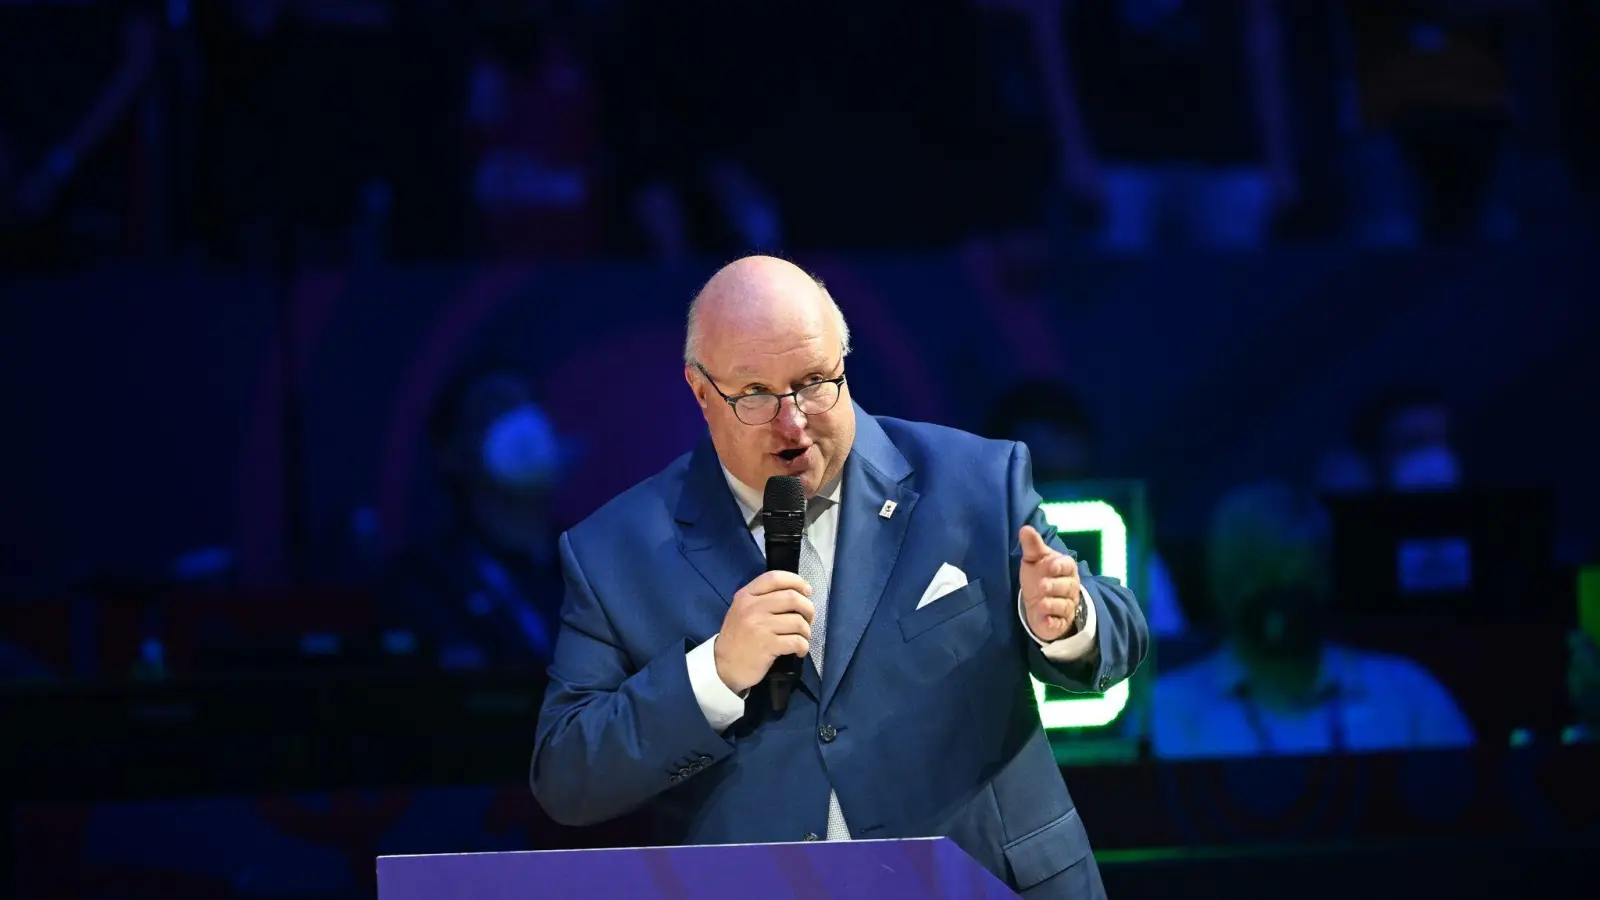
(941,610)
(1051,849)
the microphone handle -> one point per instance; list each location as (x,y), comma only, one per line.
(783,554)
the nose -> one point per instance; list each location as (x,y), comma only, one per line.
(791,421)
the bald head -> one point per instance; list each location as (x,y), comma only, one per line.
(763,327)
(756,295)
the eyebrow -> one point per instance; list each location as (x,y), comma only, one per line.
(820,372)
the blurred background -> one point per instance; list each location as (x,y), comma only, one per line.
(322,318)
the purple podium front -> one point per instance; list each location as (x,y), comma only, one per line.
(911,869)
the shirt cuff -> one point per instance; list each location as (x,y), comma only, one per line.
(1070,648)
(720,706)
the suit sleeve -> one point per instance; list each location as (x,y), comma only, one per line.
(611,738)
(1121,635)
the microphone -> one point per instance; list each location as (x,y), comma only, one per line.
(783,516)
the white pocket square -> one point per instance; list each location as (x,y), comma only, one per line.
(947,580)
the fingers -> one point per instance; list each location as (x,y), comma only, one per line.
(791,623)
(769,618)
(778,603)
(1060,607)
(1055,625)
(1060,587)
(776,580)
(1034,548)
(775,635)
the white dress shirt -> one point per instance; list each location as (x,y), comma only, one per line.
(722,707)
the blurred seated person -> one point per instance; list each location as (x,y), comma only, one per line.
(1276,685)
(1433,85)
(1051,419)
(1583,684)
(1167,116)
(534,125)
(1400,441)
(487,590)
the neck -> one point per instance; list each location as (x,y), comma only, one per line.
(1281,682)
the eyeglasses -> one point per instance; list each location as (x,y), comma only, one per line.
(759,409)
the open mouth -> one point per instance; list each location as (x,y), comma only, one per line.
(792,455)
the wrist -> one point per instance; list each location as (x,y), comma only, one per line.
(1080,616)
(722,669)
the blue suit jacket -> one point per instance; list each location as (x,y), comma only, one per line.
(925,723)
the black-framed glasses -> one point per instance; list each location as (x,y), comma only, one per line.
(758,409)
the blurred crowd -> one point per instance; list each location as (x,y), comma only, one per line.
(293,133)
(296,132)
(1262,662)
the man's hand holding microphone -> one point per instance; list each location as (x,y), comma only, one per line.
(769,617)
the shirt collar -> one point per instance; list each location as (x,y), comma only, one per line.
(750,499)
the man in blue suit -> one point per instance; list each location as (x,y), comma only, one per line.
(930,587)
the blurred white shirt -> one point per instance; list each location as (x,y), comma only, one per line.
(1372,702)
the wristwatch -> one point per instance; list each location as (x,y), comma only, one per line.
(1081,617)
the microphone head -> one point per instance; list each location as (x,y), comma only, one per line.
(784,504)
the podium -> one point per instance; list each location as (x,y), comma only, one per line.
(909,869)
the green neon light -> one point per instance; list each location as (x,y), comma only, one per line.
(1098,516)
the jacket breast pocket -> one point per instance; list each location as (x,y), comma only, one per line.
(959,601)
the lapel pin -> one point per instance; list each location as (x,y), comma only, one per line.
(888,509)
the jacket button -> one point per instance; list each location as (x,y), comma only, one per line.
(812,836)
(828,733)
(1105,684)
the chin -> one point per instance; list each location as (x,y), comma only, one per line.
(812,482)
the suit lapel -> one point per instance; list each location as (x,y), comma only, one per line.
(868,544)
(712,534)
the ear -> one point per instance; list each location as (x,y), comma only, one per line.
(698,387)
